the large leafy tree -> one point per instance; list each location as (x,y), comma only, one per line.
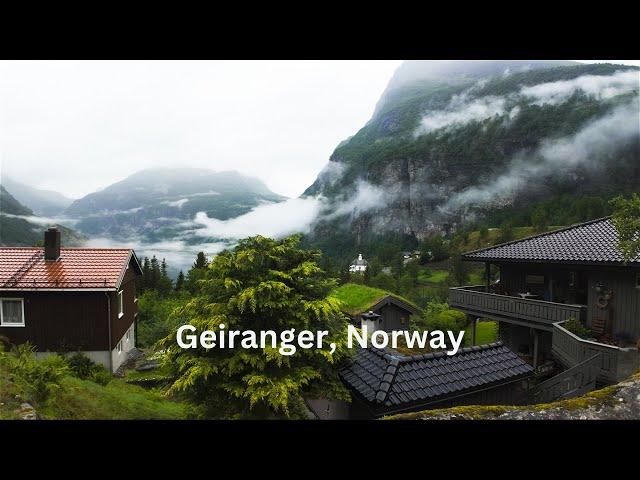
(626,219)
(262,284)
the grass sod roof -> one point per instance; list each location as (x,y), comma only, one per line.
(356,298)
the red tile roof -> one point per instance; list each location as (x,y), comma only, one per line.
(77,268)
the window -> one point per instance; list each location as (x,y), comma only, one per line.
(638,280)
(120,304)
(119,347)
(12,312)
(572,279)
(128,335)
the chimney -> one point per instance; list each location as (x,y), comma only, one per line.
(52,244)
(372,322)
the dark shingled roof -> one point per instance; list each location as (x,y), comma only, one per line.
(591,242)
(390,381)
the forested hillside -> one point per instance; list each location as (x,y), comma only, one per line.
(497,145)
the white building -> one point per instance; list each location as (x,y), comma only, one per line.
(359,264)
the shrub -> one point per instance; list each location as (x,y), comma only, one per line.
(39,378)
(84,368)
(449,320)
(576,327)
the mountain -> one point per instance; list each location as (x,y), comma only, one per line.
(43,202)
(156,203)
(20,227)
(456,143)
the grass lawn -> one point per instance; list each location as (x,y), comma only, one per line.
(357,298)
(433,276)
(486,332)
(85,400)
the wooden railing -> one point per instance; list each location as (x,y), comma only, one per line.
(537,313)
(615,363)
(576,381)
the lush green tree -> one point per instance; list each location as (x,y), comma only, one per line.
(155,315)
(540,218)
(506,232)
(412,270)
(345,275)
(434,249)
(459,270)
(201,261)
(626,218)
(262,284)
(196,273)
(179,281)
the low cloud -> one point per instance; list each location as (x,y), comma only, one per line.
(179,254)
(599,86)
(466,107)
(43,221)
(271,220)
(462,110)
(364,198)
(177,203)
(586,148)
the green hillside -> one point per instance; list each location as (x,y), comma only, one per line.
(531,160)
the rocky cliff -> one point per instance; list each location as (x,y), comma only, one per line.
(457,142)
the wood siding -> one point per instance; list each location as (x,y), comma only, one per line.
(61,321)
(534,313)
(615,363)
(624,307)
(394,317)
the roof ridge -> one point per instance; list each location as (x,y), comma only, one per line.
(537,235)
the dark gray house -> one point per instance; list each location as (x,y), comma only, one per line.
(545,280)
(382,382)
(394,313)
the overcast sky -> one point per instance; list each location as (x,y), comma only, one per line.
(77,127)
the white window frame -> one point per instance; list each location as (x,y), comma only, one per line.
(120,304)
(119,347)
(2,323)
(127,335)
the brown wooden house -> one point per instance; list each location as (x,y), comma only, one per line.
(545,280)
(70,299)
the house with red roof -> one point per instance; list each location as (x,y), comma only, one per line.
(70,299)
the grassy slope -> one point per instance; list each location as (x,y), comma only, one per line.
(81,399)
(77,399)
(356,298)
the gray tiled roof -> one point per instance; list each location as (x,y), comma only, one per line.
(591,242)
(391,381)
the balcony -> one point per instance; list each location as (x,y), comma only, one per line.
(538,314)
(615,363)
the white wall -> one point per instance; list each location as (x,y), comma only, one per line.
(118,358)
(101,357)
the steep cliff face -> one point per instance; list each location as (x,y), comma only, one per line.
(453,142)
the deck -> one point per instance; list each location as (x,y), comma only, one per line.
(615,363)
(539,314)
